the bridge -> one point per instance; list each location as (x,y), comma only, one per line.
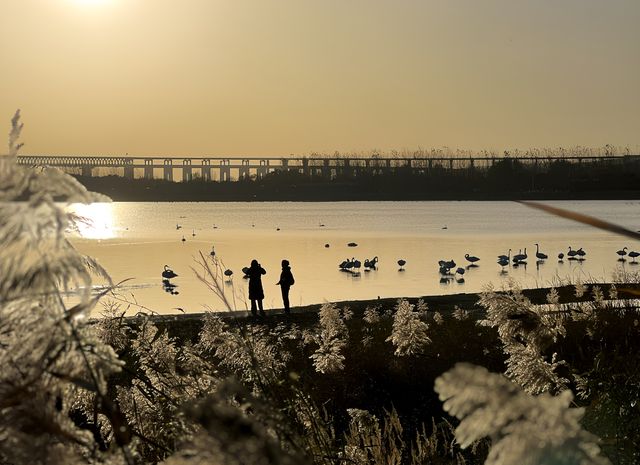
(238,168)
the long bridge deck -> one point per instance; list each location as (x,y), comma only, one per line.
(230,168)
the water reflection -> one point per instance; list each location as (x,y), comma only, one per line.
(406,251)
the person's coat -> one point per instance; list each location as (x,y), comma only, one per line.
(256,292)
(286,277)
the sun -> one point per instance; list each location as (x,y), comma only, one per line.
(90,2)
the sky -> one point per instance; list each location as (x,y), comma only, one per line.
(279,77)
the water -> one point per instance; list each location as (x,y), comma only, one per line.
(135,240)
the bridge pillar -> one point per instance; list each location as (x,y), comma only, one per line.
(305,166)
(263,169)
(225,170)
(128,168)
(86,171)
(348,171)
(285,164)
(326,169)
(187,174)
(205,170)
(148,169)
(168,169)
(244,172)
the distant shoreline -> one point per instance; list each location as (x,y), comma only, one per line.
(139,190)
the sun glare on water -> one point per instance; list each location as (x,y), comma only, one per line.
(97,220)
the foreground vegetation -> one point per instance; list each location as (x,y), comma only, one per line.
(513,382)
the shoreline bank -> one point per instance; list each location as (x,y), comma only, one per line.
(187,325)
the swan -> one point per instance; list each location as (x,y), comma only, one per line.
(213,252)
(446,264)
(622,253)
(540,255)
(352,244)
(503,262)
(505,257)
(520,257)
(471,258)
(178,226)
(357,264)
(183,239)
(572,254)
(402,263)
(460,271)
(228,273)
(168,273)
(560,256)
(581,253)
(350,263)
(193,233)
(633,254)
(371,263)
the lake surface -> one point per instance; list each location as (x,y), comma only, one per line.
(135,240)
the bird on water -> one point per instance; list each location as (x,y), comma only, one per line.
(168,273)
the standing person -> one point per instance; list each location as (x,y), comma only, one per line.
(256,293)
(286,281)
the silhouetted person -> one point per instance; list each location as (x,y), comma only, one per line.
(256,293)
(286,281)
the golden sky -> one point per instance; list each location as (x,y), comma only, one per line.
(274,77)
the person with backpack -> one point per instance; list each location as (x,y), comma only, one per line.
(286,281)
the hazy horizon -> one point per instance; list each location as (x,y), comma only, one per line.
(273,78)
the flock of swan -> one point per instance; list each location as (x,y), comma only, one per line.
(353,264)
(448,269)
